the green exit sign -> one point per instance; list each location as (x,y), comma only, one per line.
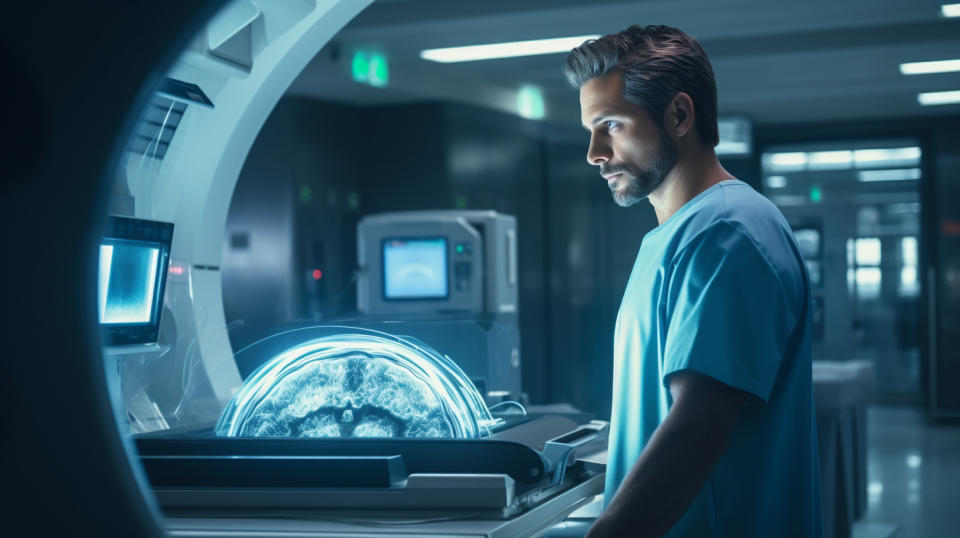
(370,68)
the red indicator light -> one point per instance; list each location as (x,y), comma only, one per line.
(317,274)
(176,270)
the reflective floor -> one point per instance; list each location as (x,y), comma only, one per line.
(913,480)
(913,476)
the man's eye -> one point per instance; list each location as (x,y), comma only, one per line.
(611,125)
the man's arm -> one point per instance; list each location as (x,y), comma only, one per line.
(677,461)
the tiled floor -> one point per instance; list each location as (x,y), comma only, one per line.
(913,475)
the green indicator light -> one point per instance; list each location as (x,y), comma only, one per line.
(816,195)
(530,103)
(360,66)
(305,194)
(379,72)
(353,200)
(459,249)
(460,202)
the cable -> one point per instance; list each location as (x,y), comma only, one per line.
(523,410)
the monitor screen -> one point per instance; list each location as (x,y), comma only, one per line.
(128,281)
(133,260)
(415,268)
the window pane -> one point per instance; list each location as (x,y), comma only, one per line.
(868,282)
(909,286)
(868,251)
(908,251)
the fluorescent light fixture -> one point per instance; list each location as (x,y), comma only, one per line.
(786,160)
(867,158)
(776,182)
(950,10)
(924,68)
(830,160)
(896,174)
(504,50)
(939,98)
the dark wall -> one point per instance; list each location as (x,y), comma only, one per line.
(494,161)
(945,246)
(257,251)
(591,249)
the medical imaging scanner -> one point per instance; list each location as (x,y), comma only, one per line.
(508,475)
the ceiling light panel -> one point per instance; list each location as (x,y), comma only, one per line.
(939,98)
(924,68)
(830,160)
(504,50)
(887,157)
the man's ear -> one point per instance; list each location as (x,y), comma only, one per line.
(680,115)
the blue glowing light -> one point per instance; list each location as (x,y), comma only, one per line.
(358,384)
(415,268)
(127,283)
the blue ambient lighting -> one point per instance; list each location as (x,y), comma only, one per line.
(530,103)
(358,384)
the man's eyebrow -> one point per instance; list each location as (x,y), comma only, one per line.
(597,119)
(602,115)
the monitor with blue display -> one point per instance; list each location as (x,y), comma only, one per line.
(415,268)
(134,256)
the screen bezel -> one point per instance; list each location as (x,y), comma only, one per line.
(146,232)
(421,298)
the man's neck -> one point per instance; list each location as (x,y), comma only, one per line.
(693,174)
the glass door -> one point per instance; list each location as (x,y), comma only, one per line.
(855,209)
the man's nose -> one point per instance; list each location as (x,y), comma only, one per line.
(599,152)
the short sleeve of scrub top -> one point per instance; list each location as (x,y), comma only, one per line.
(728,316)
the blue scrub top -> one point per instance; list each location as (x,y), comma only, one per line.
(720,288)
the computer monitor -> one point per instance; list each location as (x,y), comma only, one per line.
(437,262)
(134,256)
(415,268)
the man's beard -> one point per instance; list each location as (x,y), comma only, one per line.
(637,184)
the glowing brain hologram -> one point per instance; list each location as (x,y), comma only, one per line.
(357,384)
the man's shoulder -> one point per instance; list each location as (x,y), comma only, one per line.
(742,222)
(736,208)
(729,203)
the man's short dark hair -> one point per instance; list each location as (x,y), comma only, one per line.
(657,63)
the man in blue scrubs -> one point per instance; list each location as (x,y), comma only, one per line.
(712,427)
